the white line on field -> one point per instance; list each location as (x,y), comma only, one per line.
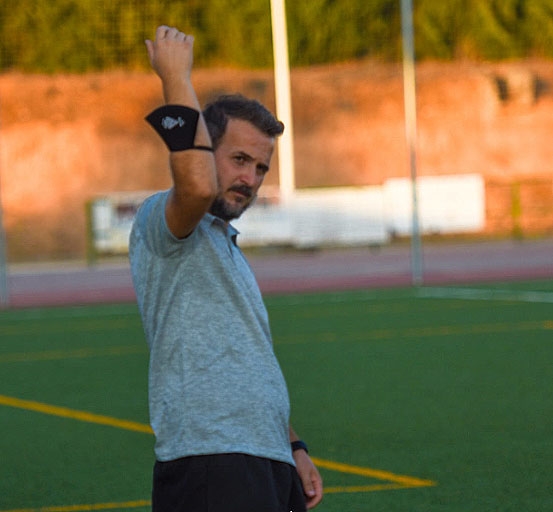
(483,294)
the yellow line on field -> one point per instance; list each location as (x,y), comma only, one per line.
(74,414)
(148,503)
(364,488)
(84,508)
(404,481)
(94,324)
(416,332)
(396,481)
(54,355)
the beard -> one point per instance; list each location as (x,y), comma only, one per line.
(226,211)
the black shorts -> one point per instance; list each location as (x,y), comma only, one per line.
(226,483)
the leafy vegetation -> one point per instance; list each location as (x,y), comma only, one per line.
(82,35)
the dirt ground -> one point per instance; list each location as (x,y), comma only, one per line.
(65,139)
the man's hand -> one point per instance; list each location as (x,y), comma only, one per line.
(171,56)
(310,478)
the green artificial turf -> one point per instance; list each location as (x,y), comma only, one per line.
(448,387)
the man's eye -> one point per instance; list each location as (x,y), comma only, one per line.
(239,159)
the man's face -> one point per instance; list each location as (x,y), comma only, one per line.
(242,159)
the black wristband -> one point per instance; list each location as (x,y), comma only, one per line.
(299,445)
(176,125)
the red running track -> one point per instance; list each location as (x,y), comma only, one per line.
(296,271)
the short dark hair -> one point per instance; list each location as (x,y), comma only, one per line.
(236,106)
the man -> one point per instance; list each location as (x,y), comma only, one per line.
(219,405)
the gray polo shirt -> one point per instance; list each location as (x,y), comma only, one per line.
(215,385)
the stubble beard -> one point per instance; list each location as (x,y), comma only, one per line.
(226,211)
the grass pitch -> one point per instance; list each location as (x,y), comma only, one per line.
(418,399)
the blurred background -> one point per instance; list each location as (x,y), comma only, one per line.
(76,156)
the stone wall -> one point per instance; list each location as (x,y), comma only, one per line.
(66,139)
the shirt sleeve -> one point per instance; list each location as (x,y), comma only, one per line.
(151,227)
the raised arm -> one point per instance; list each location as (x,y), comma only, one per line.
(193,170)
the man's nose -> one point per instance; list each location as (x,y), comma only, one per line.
(248,176)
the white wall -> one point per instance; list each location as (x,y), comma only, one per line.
(330,216)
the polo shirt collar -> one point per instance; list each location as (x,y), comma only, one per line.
(229,229)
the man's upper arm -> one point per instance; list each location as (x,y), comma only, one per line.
(150,228)
(194,189)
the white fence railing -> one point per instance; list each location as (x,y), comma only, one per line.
(318,217)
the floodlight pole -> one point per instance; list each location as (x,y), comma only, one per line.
(283,99)
(4,291)
(409,91)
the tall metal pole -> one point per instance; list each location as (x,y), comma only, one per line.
(409,91)
(4,290)
(283,98)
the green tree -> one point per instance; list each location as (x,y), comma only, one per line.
(494,29)
(438,27)
(237,32)
(330,30)
(82,35)
(538,27)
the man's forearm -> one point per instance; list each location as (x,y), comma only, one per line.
(293,435)
(193,170)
